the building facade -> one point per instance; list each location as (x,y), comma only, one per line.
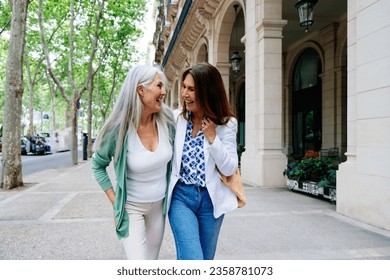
(328,88)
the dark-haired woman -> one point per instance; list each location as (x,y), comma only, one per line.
(205,144)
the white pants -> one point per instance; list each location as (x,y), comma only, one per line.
(146,230)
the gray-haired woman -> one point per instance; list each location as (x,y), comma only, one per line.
(138,137)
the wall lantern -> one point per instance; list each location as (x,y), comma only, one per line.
(236,58)
(305,12)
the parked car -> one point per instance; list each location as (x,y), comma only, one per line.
(40,147)
(35,145)
(24,144)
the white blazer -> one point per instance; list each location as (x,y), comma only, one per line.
(222,153)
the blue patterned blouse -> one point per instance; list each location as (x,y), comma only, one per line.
(192,170)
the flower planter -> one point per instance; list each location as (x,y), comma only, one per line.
(312,188)
(330,193)
(314,176)
(294,184)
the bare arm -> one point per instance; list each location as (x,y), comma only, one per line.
(111,195)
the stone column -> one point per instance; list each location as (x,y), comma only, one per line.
(224,69)
(263,161)
(363,181)
(329,83)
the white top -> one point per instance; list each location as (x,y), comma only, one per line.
(146,170)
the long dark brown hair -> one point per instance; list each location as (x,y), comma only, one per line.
(210,92)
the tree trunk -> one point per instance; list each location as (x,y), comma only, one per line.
(31,84)
(89,120)
(72,84)
(53,103)
(12,161)
(74,150)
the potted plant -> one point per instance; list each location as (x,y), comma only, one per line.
(294,173)
(313,169)
(328,179)
(312,175)
(293,170)
(328,185)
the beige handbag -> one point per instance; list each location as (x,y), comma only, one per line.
(234,183)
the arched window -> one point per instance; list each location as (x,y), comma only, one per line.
(203,54)
(307,103)
(306,70)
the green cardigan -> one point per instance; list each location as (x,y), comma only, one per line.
(102,158)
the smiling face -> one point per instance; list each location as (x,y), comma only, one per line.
(188,94)
(153,95)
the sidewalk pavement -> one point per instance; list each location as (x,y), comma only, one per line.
(62,214)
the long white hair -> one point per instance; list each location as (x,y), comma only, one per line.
(128,107)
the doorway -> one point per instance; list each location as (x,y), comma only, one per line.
(307,104)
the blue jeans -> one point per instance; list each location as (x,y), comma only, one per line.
(193,224)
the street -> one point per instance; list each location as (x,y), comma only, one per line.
(34,163)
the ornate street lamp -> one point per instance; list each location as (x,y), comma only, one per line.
(236,58)
(305,12)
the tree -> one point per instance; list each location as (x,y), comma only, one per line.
(101,34)
(35,68)
(82,38)
(12,163)
(5,23)
(32,80)
(5,16)
(117,51)
(73,101)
